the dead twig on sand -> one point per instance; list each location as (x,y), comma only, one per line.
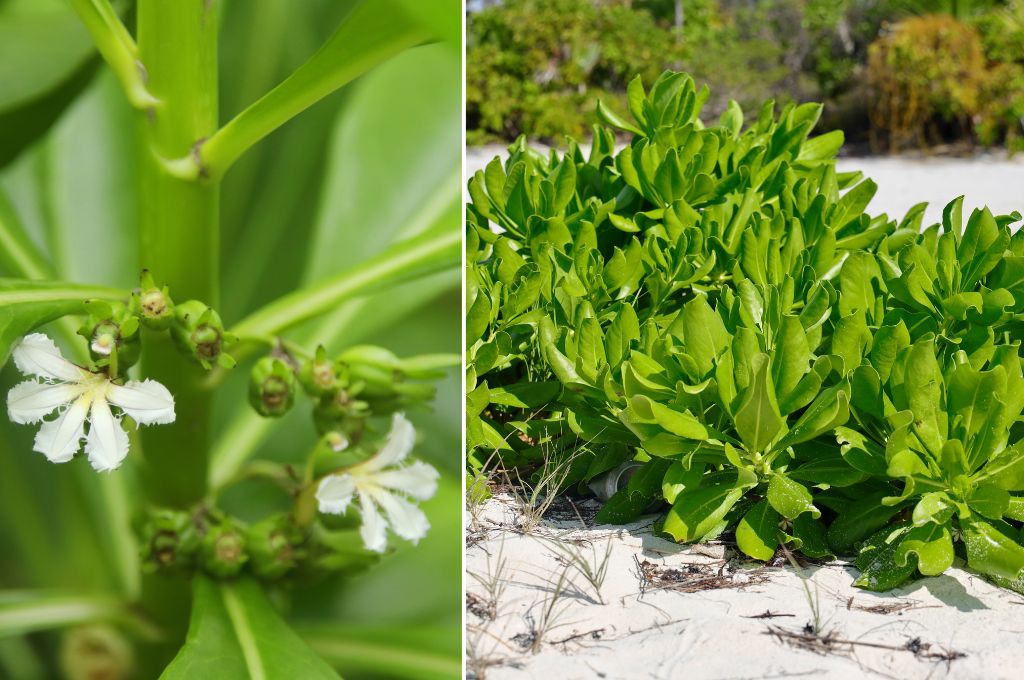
(769,614)
(831,643)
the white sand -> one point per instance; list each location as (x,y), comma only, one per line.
(656,632)
(987,179)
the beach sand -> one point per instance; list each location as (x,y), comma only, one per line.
(537,607)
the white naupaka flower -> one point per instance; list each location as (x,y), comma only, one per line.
(381,483)
(80,396)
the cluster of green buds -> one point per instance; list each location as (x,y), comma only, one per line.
(363,381)
(275,548)
(111,330)
(387,383)
(199,332)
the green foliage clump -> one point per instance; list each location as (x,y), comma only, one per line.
(534,64)
(934,77)
(713,302)
(1001,119)
(927,70)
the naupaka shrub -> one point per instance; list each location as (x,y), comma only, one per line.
(713,303)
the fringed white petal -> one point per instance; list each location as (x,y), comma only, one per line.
(147,402)
(37,355)
(31,401)
(107,443)
(398,445)
(406,520)
(335,493)
(374,528)
(59,440)
(418,480)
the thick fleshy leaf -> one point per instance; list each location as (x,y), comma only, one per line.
(858,520)
(1006,469)
(697,513)
(811,534)
(790,498)
(757,419)
(931,543)
(705,334)
(877,561)
(861,453)
(757,534)
(829,410)
(992,551)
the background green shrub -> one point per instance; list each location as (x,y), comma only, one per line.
(537,67)
(928,71)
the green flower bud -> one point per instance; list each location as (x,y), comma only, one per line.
(111,328)
(321,376)
(96,651)
(272,387)
(224,550)
(275,547)
(198,331)
(169,540)
(153,304)
(339,411)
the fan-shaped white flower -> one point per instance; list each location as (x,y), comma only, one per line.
(80,397)
(383,484)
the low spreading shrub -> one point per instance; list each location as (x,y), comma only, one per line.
(713,304)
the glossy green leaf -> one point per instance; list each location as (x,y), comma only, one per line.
(858,520)
(790,498)
(236,633)
(810,532)
(757,532)
(26,305)
(931,543)
(757,418)
(697,513)
(992,551)
(877,562)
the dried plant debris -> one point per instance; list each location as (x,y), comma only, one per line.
(825,643)
(897,607)
(692,577)
(480,607)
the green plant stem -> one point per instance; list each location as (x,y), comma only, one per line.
(178,223)
(370,34)
(117,47)
(179,242)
